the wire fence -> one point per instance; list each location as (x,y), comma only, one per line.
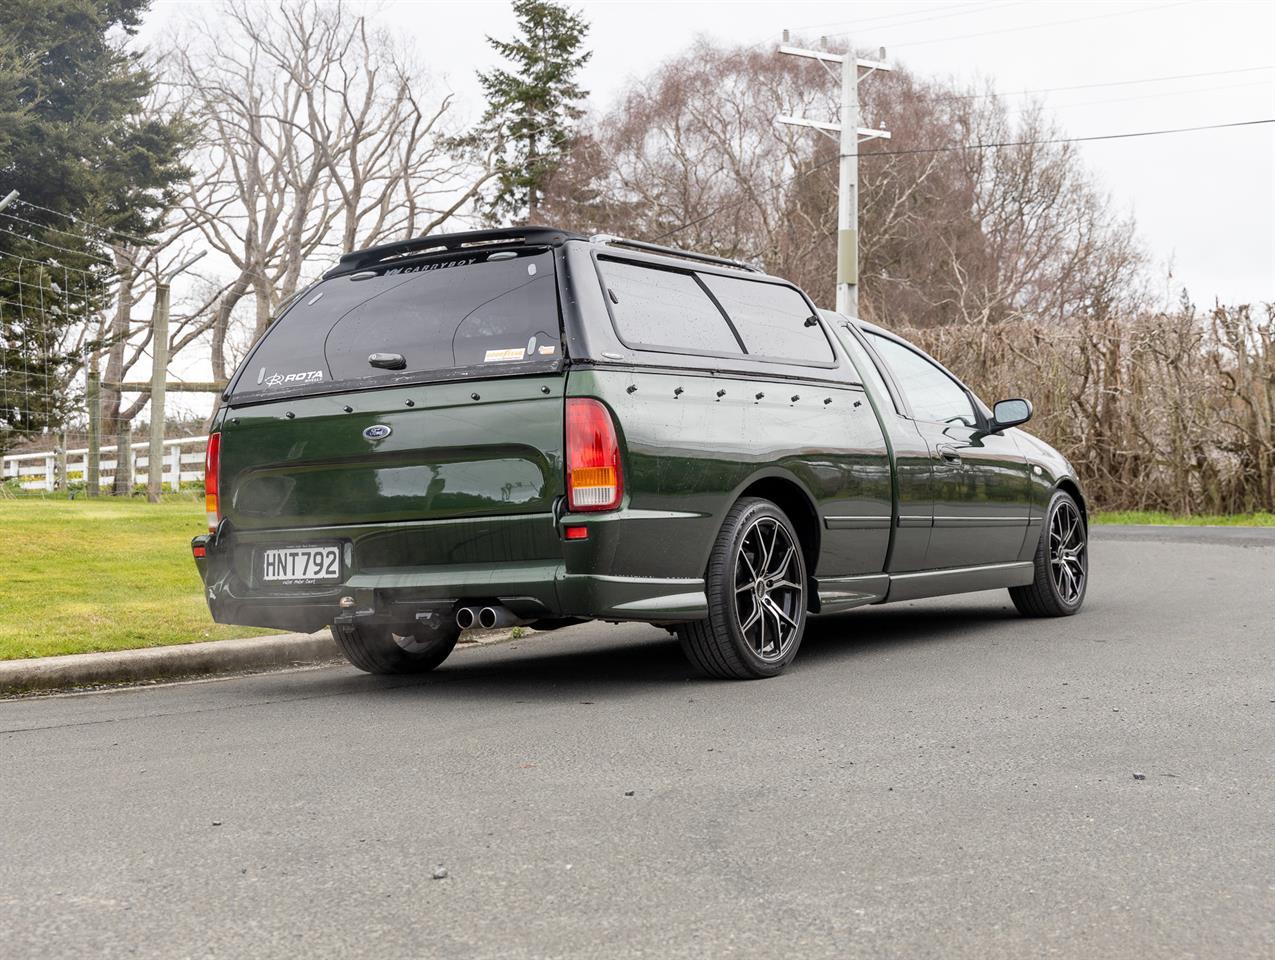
(61,296)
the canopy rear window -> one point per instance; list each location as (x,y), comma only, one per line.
(476,313)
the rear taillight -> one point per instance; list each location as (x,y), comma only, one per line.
(594,478)
(212,467)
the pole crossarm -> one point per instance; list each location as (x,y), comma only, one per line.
(803,122)
(834,57)
(865,133)
(811,54)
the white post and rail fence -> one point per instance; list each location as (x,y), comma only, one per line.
(181,460)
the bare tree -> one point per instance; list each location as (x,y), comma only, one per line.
(1158,410)
(949,234)
(317,140)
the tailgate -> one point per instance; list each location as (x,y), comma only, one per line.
(483,448)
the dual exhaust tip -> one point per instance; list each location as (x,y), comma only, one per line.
(487,618)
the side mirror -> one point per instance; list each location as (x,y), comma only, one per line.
(1010,413)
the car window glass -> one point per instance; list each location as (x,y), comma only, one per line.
(932,394)
(664,310)
(863,362)
(772,319)
(463,313)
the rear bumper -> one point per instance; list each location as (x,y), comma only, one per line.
(564,585)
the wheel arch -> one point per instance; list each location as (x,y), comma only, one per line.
(795,501)
(1069,486)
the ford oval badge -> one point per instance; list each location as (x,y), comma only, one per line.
(377,431)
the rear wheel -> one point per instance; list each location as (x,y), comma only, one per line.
(756,587)
(396,649)
(1062,564)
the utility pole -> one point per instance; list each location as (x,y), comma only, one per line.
(850,135)
(159,381)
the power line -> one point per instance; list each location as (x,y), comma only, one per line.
(1049,140)
(965,10)
(964,147)
(1105,83)
(885,16)
(975,6)
(1038,26)
(1162,93)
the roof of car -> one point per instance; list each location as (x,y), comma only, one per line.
(452,243)
(507,237)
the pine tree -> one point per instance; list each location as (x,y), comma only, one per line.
(76,141)
(533,107)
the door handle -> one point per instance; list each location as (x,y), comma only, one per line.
(949,453)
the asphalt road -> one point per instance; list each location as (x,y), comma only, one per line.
(936,779)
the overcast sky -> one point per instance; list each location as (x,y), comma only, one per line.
(1205,202)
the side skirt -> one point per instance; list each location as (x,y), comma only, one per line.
(938,583)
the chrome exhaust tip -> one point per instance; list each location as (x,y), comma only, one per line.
(491,617)
(465,617)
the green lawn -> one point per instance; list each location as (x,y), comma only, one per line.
(102,574)
(1203,520)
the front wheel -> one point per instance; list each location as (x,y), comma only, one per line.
(756,587)
(397,649)
(1062,563)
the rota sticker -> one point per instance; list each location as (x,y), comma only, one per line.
(494,355)
(546,350)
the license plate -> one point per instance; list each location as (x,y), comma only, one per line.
(318,564)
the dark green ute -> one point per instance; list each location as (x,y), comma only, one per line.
(526,426)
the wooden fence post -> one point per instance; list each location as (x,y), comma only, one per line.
(92,459)
(159,383)
(60,479)
(123,485)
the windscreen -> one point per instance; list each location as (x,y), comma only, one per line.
(478,312)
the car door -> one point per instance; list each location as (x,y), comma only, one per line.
(981,485)
(913,517)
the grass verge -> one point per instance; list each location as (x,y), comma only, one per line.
(112,574)
(1204,520)
(106,574)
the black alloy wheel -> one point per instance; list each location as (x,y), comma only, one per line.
(756,588)
(1061,562)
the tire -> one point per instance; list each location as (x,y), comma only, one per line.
(396,649)
(755,623)
(1062,563)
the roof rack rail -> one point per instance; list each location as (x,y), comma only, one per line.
(608,240)
(451,242)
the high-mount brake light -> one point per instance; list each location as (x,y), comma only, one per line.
(595,480)
(212,467)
